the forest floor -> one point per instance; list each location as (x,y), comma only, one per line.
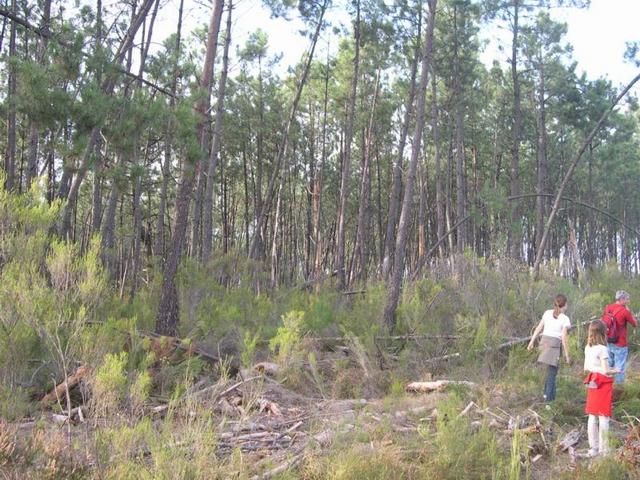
(257,427)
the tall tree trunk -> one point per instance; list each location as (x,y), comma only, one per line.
(515,242)
(395,283)
(96,216)
(541,177)
(346,156)
(317,179)
(166,165)
(10,156)
(461,234)
(168,312)
(215,144)
(359,253)
(396,182)
(440,220)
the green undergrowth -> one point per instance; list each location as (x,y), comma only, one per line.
(59,310)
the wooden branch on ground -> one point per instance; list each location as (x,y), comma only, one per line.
(180,344)
(426,387)
(69,382)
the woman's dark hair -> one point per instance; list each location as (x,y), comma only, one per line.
(559,302)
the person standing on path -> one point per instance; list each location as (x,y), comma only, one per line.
(619,350)
(599,384)
(554,327)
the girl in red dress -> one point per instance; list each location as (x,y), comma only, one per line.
(599,384)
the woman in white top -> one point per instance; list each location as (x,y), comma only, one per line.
(554,327)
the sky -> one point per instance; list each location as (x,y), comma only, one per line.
(597,34)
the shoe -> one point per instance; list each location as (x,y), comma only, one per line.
(593,452)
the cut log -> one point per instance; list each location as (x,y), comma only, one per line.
(69,382)
(426,387)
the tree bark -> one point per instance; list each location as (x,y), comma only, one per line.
(395,284)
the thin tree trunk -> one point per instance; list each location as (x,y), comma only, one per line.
(346,159)
(514,237)
(166,165)
(359,253)
(461,234)
(215,144)
(440,221)
(10,157)
(396,182)
(395,284)
(541,179)
(317,180)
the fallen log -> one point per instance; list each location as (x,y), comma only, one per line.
(426,387)
(70,382)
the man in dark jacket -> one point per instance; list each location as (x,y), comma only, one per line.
(619,350)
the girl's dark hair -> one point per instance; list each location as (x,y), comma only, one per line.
(559,302)
(597,333)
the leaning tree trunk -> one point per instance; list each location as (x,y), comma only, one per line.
(569,174)
(395,284)
(283,148)
(168,308)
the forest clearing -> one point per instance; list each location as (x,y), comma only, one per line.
(217,264)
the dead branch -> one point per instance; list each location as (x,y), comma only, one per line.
(69,382)
(426,387)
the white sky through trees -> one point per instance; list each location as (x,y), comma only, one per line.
(597,34)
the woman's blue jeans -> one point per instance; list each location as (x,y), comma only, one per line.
(550,383)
